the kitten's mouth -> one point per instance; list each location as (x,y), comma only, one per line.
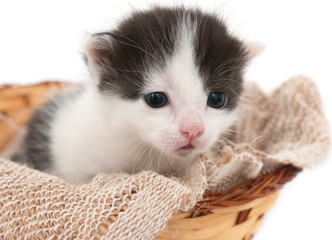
(185,150)
(188,146)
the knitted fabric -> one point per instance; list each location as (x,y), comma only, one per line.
(287,126)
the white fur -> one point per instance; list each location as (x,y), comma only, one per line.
(97,133)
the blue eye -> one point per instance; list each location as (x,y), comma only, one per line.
(216,100)
(156,99)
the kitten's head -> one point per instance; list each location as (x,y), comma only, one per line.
(175,74)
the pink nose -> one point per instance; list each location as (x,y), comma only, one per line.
(192,126)
(192,132)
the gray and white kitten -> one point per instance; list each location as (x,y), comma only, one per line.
(164,85)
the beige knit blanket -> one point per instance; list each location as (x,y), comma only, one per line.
(286,126)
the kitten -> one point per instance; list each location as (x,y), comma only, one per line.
(165,84)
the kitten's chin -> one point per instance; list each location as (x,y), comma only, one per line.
(184,152)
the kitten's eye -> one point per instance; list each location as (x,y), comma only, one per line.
(216,100)
(156,99)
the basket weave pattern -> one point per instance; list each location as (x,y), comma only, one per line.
(233,214)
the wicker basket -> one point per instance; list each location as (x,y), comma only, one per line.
(231,215)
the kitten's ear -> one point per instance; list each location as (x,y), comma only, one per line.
(98,52)
(254,49)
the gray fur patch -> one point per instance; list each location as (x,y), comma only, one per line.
(35,151)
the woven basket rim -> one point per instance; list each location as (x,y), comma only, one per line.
(246,191)
(47,82)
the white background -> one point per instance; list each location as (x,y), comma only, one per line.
(43,40)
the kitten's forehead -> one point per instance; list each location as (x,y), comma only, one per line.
(180,75)
(184,45)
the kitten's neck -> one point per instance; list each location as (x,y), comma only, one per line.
(145,157)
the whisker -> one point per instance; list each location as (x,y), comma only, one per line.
(230,61)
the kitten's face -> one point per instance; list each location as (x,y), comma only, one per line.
(175,75)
